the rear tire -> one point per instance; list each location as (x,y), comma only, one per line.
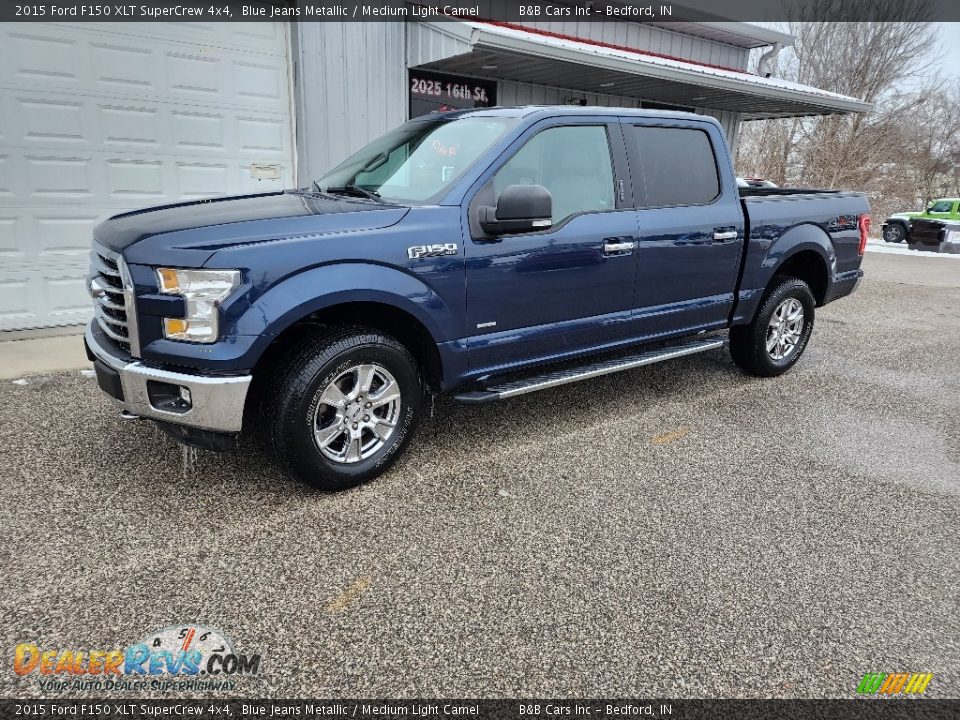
(778,335)
(342,407)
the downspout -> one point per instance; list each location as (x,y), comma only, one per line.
(767,58)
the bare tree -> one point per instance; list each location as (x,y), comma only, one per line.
(876,61)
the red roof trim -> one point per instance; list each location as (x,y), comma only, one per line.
(611,46)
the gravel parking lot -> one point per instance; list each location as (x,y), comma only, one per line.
(680,530)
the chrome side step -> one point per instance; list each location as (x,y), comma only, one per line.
(585,372)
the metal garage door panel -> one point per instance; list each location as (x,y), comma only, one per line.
(97,119)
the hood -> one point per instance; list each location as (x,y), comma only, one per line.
(195,230)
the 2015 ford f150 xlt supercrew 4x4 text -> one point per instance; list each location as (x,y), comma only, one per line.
(488,253)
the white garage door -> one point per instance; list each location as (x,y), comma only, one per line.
(97,119)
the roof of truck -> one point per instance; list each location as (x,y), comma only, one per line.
(527,111)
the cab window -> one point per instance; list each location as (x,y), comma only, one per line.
(943,206)
(421,159)
(678,166)
(572,162)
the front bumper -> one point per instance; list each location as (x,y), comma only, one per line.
(217,402)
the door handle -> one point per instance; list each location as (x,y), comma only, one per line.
(616,246)
(722,236)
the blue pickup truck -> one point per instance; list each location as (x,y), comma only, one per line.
(487,253)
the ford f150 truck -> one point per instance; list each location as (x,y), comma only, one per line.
(487,253)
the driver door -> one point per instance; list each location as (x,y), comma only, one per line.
(570,287)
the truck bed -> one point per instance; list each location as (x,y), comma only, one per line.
(809,216)
(763,191)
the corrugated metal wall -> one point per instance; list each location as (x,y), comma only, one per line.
(729,121)
(351,87)
(653,39)
(429,42)
(518,93)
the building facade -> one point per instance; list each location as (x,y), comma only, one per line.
(97,119)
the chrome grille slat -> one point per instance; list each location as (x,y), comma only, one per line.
(105,317)
(108,303)
(114,335)
(105,266)
(114,298)
(113,282)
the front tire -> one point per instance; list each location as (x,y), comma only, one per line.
(342,408)
(778,335)
(894,233)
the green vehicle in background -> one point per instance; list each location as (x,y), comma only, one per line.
(896,228)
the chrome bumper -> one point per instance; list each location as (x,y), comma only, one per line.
(217,402)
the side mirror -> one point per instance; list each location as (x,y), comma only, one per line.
(520,208)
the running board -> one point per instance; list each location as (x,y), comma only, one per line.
(585,372)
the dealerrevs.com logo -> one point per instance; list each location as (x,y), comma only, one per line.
(182,657)
(894,683)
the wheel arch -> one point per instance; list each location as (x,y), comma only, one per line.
(377,315)
(382,298)
(804,251)
(808,265)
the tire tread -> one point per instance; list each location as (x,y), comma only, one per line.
(291,380)
(748,342)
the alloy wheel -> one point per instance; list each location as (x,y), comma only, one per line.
(357,413)
(785,328)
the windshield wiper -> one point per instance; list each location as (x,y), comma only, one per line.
(355,190)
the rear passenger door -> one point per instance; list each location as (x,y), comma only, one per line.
(690,225)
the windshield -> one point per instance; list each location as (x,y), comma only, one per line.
(419,159)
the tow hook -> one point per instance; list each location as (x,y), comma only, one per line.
(127,415)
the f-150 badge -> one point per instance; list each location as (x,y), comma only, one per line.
(422,251)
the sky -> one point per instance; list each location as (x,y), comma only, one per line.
(949,49)
(950,45)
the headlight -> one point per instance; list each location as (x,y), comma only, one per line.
(202,291)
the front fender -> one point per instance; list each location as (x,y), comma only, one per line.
(766,256)
(320,288)
(905,219)
(307,292)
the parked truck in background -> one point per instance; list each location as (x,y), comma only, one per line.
(898,227)
(929,235)
(486,253)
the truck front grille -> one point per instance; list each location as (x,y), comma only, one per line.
(112,297)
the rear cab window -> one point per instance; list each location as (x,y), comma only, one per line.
(676,166)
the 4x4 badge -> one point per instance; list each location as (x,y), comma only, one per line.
(421,251)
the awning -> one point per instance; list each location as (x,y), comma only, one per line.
(548,59)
